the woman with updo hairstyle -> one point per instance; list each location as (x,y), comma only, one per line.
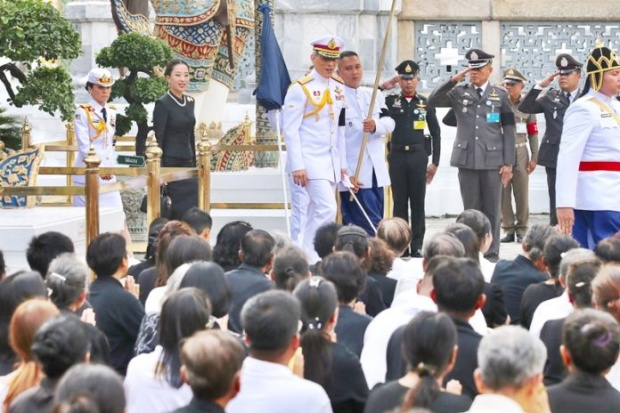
(430,348)
(60,343)
(228,244)
(555,248)
(480,224)
(173,123)
(378,265)
(590,347)
(354,239)
(67,286)
(149,278)
(290,267)
(90,388)
(28,317)
(326,361)
(151,248)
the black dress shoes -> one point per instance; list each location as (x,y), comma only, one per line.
(508,238)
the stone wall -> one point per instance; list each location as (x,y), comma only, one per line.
(522,33)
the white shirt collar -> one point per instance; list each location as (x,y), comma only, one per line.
(483,87)
(493,403)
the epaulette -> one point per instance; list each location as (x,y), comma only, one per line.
(305,79)
(190,99)
(337,78)
(85,106)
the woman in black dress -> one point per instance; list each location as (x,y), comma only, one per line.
(326,361)
(173,123)
(429,346)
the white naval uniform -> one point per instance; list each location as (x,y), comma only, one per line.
(589,134)
(316,143)
(90,128)
(358,103)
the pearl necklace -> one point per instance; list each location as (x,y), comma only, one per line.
(177,100)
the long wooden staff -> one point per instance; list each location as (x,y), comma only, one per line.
(375,89)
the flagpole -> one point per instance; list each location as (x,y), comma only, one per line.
(283,175)
(375,90)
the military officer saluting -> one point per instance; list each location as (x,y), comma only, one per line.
(409,169)
(588,193)
(515,224)
(313,120)
(484,149)
(553,104)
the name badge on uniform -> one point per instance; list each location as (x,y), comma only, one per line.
(521,127)
(493,117)
(419,124)
(607,121)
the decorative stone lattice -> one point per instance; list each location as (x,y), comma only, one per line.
(246,64)
(435,40)
(532,47)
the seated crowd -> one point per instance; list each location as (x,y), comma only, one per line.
(250,326)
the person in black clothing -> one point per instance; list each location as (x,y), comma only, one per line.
(355,239)
(409,150)
(326,361)
(378,264)
(591,344)
(212,362)
(344,271)
(228,243)
(324,240)
(151,248)
(429,346)
(458,288)
(579,279)
(528,268)
(554,249)
(553,104)
(58,344)
(67,288)
(149,278)
(117,310)
(608,249)
(173,123)
(249,278)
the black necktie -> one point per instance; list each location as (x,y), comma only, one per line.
(567,98)
(479,90)
(104,114)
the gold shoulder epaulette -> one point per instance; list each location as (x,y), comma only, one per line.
(85,106)
(305,79)
(337,78)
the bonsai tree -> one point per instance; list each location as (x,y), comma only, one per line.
(32,32)
(140,55)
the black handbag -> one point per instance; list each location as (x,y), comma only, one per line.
(165,203)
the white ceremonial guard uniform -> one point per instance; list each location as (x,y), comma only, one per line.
(315,142)
(589,153)
(90,128)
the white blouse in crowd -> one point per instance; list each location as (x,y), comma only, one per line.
(147,392)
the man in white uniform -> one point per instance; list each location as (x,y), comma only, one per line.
(313,125)
(588,185)
(373,172)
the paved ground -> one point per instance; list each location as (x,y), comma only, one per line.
(506,251)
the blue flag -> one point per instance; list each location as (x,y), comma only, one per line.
(274,78)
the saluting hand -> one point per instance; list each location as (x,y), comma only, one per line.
(547,81)
(460,75)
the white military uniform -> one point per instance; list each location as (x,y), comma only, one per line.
(591,134)
(316,143)
(358,103)
(90,128)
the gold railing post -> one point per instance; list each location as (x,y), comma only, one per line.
(26,134)
(70,134)
(204,173)
(92,162)
(153,165)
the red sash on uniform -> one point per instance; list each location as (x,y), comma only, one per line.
(588,166)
